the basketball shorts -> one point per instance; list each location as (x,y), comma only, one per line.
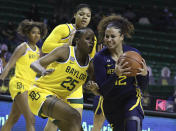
(37,96)
(98,104)
(18,86)
(75,100)
(117,111)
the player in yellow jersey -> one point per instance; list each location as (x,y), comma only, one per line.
(60,36)
(68,71)
(23,56)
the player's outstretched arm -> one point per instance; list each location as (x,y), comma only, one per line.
(59,54)
(91,84)
(53,40)
(19,51)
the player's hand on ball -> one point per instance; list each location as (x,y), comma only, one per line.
(120,68)
(143,70)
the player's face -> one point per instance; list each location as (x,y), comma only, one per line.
(82,17)
(87,42)
(113,38)
(34,35)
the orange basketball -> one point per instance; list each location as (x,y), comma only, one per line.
(134,61)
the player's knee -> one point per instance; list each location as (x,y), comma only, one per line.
(133,123)
(14,119)
(75,117)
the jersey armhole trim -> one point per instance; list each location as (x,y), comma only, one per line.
(69,32)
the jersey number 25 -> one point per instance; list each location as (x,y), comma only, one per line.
(69,83)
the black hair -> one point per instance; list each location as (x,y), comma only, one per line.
(79,34)
(78,7)
(26,25)
(117,21)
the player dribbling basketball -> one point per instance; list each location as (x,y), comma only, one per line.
(122,95)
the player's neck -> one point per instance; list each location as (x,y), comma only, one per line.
(81,58)
(32,45)
(117,52)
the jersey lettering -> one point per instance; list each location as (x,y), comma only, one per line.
(121,81)
(75,73)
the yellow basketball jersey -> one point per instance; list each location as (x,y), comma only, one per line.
(61,35)
(22,68)
(67,76)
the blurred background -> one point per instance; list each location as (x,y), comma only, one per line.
(155,37)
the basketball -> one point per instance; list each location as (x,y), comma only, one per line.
(134,61)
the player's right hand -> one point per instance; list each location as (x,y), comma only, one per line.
(120,68)
(47,72)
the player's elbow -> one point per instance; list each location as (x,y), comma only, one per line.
(32,65)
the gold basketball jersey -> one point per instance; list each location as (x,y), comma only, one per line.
(22,68)
(67,76)
(61,35)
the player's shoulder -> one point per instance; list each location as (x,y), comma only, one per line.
(102,53)
(63,27)
(23,46)
(130,48)
(67,25)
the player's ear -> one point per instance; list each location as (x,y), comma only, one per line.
(122,37)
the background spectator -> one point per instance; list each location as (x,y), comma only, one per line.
(165,78)
(151,78)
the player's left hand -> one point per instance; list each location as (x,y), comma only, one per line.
(143,71)
(93,87)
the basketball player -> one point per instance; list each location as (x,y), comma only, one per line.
(66,73)
(122,94)
(61,35)
(23,56)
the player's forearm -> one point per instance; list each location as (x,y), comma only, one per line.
(143,81)
(37,67)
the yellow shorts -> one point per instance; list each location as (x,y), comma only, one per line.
(75,100)
(36,98)
(18,86)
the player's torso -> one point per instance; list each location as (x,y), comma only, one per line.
(22,68)
(66,78)
(123,84)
